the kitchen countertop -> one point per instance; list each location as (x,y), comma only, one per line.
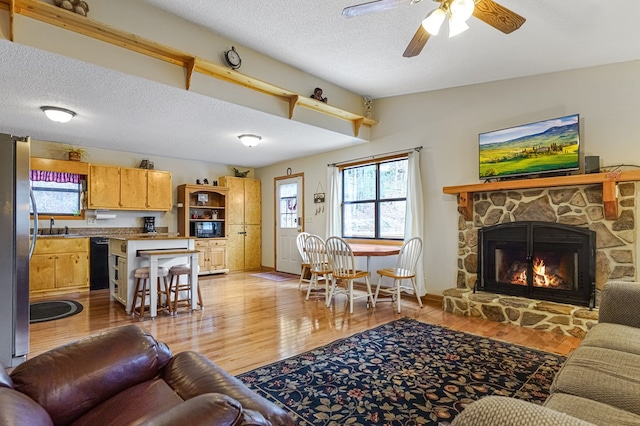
(149,236)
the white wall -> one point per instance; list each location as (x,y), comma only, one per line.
(447,122)
(182,171)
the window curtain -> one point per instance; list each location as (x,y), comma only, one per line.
(60,177)
(414,221)
(334,213)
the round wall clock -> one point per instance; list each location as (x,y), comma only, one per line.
(233,58)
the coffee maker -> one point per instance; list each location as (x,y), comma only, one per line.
(149,224)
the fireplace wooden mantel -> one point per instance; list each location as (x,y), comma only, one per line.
(608,180)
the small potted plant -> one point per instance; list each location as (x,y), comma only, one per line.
(74,153)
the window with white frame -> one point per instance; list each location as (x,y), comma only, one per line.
(374,199)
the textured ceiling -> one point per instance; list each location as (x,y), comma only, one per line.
(363,54)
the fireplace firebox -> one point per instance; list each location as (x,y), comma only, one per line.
(546,261)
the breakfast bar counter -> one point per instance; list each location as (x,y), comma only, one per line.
(124,259)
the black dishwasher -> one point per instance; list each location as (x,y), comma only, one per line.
(99,263)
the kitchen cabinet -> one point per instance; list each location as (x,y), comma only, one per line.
(122,188)
(202,213)
(159,190)
(212,258)
(244,223)
(59,265)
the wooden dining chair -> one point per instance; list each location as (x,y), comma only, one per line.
(304,265)
(343,264)
(405,270)
(318,265)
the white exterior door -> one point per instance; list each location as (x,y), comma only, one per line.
(289,222)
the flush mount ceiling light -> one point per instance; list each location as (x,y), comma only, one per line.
(249,139)
(458,12)
(59,115)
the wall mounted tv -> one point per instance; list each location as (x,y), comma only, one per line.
(531,149)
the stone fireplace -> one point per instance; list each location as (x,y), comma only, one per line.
(579,206)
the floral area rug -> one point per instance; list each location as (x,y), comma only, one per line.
(402,373)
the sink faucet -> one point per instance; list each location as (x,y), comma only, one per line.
(51,222)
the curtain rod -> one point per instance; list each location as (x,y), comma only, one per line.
(373,157)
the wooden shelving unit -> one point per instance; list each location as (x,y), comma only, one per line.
(607,180)
(205,203)
(59,17)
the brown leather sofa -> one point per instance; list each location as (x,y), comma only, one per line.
(123,377)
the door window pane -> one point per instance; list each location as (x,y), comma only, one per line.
(289,205)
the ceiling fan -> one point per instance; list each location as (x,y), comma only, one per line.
(457,12)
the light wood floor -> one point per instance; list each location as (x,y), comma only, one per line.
(248,322)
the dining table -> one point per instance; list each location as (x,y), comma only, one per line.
(373,250)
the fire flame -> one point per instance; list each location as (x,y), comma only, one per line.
(540,276)
(539,271)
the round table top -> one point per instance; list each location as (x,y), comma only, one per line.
(364,249)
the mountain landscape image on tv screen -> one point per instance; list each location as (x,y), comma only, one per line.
(535,148)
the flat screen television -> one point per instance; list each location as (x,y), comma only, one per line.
(530,149)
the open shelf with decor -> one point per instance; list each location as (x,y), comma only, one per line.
(202,214)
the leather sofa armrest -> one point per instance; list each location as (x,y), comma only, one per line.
(209,409)
(72,379)
(191,374)
(619,303)
(504,411)
(19,409)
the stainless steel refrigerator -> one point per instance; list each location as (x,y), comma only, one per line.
(14,249)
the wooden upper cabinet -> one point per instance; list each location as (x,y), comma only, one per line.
(121,188)
(104,187)
(159,194)
(133,188)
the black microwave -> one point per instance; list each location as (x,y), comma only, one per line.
(206,229)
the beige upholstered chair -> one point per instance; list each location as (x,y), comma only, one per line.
(405,270)
(318,264)
(342,263)
(300,240)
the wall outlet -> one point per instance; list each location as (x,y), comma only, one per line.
(91,221)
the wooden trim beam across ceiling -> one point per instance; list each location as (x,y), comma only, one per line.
(59,17)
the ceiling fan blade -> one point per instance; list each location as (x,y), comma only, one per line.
(416,44)
(371,7)
(498,16)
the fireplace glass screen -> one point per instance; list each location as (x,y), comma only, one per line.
(550,269)
(543,260)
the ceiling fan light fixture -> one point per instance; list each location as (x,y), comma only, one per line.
(462,9)
(250,140)
(59,115)
(433,21)
(457,26)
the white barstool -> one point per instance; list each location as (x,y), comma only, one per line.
(143,289)
(174,273)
